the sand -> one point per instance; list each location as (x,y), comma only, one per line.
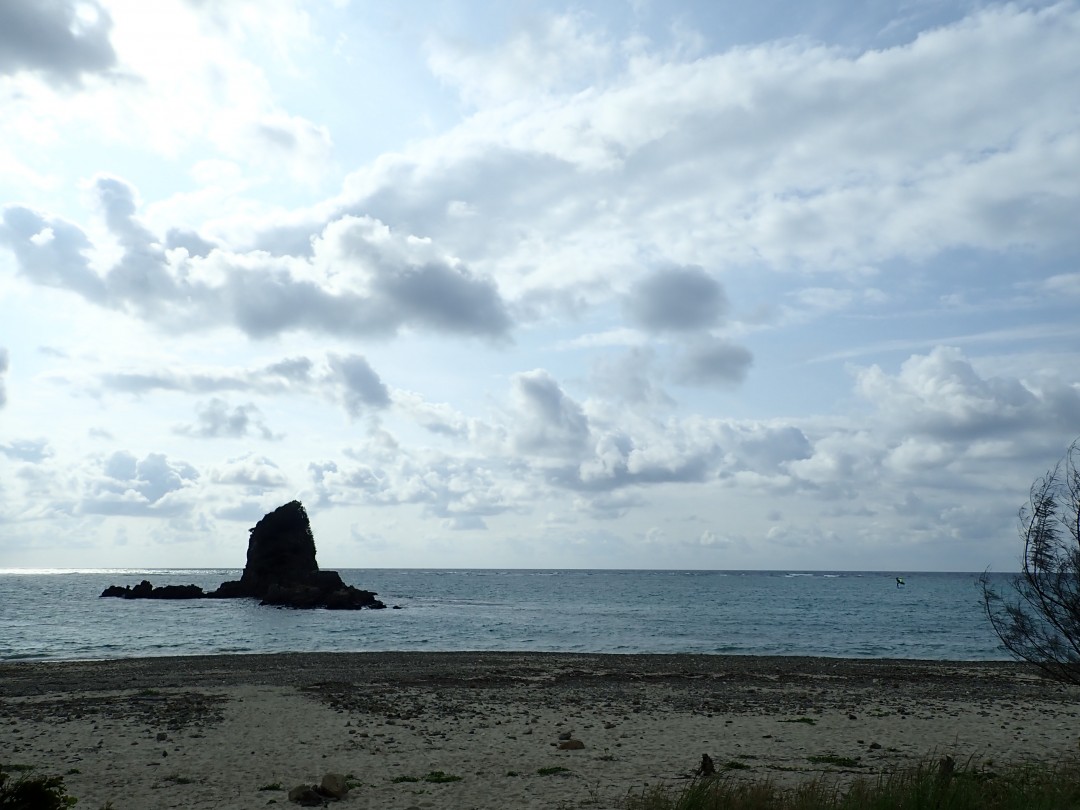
(220,732)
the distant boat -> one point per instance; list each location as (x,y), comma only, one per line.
(899,582)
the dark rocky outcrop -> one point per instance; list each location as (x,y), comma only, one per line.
(281,552)
(281,570)
(334,786)
(144,590)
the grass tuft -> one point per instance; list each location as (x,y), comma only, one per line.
(439,777)
(939,784)
(32,791)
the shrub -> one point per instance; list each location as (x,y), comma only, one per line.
(29,791)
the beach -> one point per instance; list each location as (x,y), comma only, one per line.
(239,731)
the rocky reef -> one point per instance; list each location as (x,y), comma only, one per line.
(281,570)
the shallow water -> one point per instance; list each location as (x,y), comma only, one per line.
(58,615)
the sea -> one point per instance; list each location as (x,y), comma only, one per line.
(53,615)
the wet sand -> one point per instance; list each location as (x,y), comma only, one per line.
(212,732)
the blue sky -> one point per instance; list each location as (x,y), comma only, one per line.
(625,284)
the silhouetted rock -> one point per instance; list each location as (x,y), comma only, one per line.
(281,570)
(706,768)
(335,784)
(144,590)
(281,551)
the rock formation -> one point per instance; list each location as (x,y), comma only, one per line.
(144,590)
(280,570)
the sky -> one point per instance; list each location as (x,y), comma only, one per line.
(512,283)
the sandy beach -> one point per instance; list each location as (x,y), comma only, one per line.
(223,732)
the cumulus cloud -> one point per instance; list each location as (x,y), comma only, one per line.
(153,485)
(898,155)
(190,241)
(942,395)
(630,377)
(257,473)
(216,421)
(548,423)
(361,386)
(51,252)
(393,281)
(712,361)
(677,299)
(619,459)
(461,491)
(60,39)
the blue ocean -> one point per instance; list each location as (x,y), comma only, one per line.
(55,615)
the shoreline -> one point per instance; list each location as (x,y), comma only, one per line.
(297,667)
(209,731)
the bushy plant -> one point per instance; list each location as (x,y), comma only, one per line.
(30,791)
(1040,621)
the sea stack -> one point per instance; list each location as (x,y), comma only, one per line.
(281,570)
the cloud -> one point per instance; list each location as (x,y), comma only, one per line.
(51,252)
(60,39)
(33,451)
(348,379)
(363,279)
(409,281)
(283,376)
(4,366)
(257,473)
(216,421)
(619,459)
(556,54)
(630,377)
(548,423)
(306,146)
(899,155)
(712,361)
(942,395)
(361,385)
(190,241)
(609,505)
(461,490)
(153,485)
(677,299)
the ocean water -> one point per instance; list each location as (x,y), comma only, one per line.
(54,615)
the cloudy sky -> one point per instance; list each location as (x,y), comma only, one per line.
(625,284)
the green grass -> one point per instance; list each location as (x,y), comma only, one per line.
(930,785)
